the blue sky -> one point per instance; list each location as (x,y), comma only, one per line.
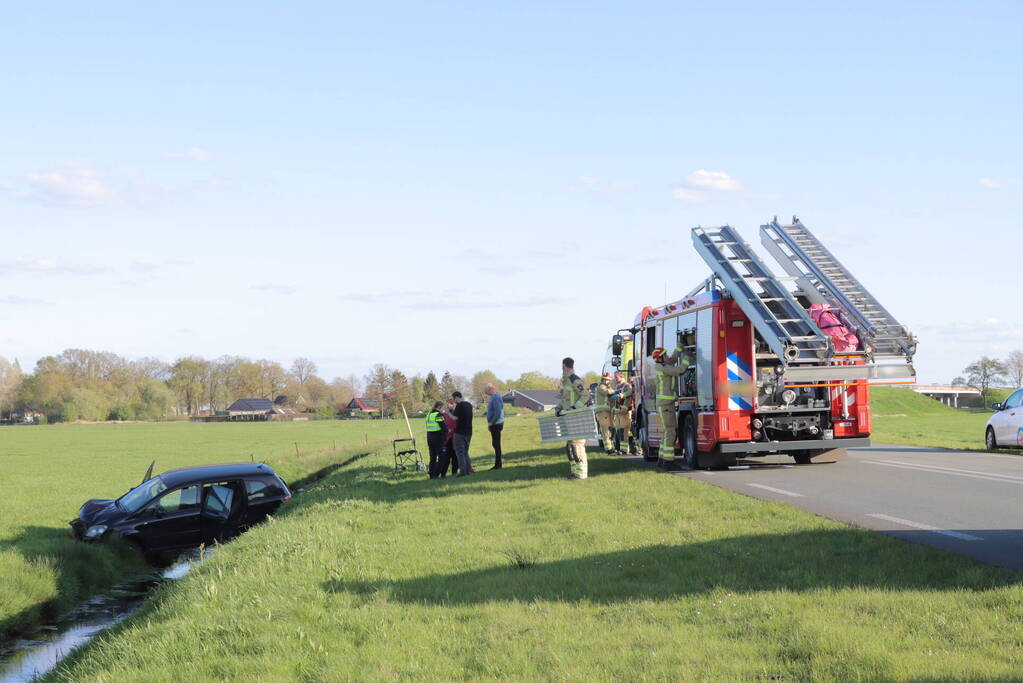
(467,185)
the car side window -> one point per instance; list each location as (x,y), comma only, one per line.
(1015,400)
(259,489)
(178,500)
(217,501)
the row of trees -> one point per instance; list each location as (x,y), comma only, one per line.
(990,372)
(89,385)
(391,388)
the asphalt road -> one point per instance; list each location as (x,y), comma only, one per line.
(968,503)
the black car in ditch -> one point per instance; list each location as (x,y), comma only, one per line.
(185,508)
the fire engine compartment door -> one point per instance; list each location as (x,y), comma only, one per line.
(842,373)
(705,356)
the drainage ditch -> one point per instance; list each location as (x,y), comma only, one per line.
(41,649)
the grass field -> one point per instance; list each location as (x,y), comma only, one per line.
(902,416)
(48,472)
(521,574)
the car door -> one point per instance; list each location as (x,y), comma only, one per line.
(1010,420)
(264,497)
(223,506)
(171,521)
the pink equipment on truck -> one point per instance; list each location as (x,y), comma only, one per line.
(781,365)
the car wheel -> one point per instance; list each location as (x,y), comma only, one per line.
(690,458)
(989,440)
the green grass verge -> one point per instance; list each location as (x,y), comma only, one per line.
(902,416)
(49,471)
(520,574)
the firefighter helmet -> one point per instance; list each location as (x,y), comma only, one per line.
(606,375)
(658,353)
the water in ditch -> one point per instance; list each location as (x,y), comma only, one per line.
(39,652)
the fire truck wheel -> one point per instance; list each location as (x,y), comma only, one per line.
(689,456)
(804,457)
(649,454)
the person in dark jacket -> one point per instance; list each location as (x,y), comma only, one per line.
(463,433)
(448,451)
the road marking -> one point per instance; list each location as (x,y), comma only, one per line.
(1005,479)
(926,527)
(774,490)
(954,469)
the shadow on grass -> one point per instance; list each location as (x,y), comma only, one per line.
(521,469)
(799,562)
(79,569)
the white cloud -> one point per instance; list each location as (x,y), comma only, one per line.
(23,301)
(274,289)
(713,180)
(590,183)
(80,186)
(45,266)
(689,196)
(766,196)
(191,154)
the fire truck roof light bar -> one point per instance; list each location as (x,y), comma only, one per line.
(782,323)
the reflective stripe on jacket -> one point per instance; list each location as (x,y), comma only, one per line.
(434,422)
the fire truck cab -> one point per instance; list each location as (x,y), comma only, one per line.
(764,377)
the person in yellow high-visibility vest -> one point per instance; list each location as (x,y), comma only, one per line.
(574,395)
(602,407)
(435,438)
(666,401)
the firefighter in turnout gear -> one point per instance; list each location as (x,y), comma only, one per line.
(667,379)
(603,396)
(621,413)
(573,395)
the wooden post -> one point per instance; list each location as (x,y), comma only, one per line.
(335,444)
(296,449)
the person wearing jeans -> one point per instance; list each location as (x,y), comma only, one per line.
(463,433)
(495,422)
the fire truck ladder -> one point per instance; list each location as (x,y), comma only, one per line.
(823,279)
(782,323)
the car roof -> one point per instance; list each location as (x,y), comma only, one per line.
(228,470)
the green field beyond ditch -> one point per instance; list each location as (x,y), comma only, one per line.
(520,574)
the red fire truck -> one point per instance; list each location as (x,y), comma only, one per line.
(765,377)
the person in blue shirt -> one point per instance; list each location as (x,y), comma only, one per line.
(495,422)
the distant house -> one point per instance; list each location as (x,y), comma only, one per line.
(536,400)
(251,406)
(363,403)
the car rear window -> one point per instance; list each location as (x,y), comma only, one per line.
(261,488)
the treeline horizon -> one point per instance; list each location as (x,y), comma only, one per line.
(95,386)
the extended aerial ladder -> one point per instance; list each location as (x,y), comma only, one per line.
(823,279)
(804,351)
(783,324)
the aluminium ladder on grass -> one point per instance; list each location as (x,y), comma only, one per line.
(823,279)
(782,323)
